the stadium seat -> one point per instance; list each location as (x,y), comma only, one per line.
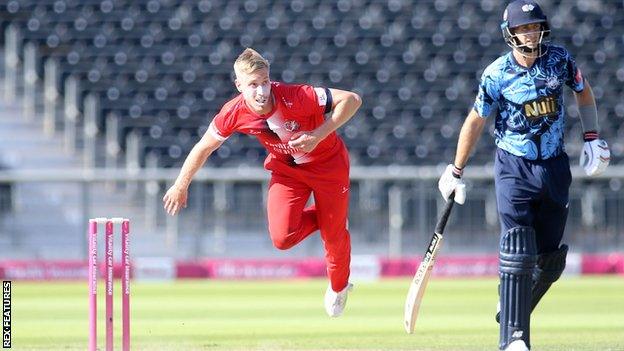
(416,65)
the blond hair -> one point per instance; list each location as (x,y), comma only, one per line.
(250,61)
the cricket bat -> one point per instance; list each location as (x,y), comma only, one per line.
(421,278)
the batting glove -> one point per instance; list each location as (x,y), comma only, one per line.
(451,181)
(595,156)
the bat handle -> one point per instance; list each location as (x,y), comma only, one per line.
(445,214)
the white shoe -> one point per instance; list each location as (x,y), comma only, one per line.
(335,302)
(517,345)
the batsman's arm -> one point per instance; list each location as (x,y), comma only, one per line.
(586,96)
(176,197)
(468,137)
(587,108)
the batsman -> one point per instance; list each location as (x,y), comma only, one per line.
(523,92)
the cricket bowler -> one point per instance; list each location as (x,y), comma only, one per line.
(296,124)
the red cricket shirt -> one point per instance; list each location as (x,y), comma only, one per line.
(296,108)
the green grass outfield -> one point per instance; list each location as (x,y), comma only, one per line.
(578,314)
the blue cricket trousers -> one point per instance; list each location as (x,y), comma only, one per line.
(533,193)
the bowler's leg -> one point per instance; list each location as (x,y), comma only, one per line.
(331,195)
(332,212)
(289,222)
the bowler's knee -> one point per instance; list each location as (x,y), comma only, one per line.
(282,241)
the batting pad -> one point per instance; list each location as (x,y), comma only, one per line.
(549,268)
(517,259)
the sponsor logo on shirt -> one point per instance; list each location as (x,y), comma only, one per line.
(541,107)
(281,148)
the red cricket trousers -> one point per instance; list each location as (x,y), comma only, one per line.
(290,221)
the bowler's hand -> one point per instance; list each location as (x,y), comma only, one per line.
(450,182)
(596,155)
(175,199)
(304,141)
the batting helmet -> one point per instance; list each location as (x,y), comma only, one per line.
(519,13)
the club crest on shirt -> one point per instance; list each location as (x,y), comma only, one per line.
(552,82)
(291,126)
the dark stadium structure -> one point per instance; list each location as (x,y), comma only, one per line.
(153,73)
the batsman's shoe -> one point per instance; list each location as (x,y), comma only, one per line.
(517,345)
(335,302)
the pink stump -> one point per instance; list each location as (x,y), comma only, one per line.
(92,285)
(109,285)
(125,284)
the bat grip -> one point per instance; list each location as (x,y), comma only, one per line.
(445,214)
